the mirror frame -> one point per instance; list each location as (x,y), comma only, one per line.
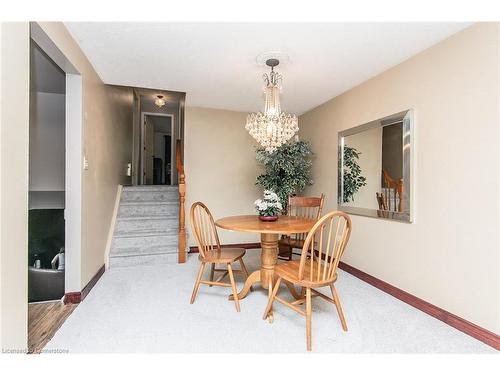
(407,117)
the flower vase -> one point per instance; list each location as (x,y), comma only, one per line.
(268,218)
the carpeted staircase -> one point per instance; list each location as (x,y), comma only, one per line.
(146,229)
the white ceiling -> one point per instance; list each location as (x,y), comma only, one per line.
(215,63)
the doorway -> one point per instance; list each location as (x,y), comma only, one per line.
(55,183)
(157,148)
(47,153)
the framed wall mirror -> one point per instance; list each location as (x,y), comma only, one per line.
(375,168)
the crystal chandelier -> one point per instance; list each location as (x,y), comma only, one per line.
(273,127)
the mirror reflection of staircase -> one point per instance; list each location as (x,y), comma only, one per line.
(146,229)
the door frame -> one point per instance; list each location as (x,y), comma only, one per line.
(172,145)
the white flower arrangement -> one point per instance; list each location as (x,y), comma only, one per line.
(270,205)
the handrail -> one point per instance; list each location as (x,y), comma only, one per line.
(182,197)
(398,188)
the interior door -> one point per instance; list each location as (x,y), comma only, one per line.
(148,151)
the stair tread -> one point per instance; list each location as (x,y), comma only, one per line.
(128,255)
(150,187)
(153,202)
(148,217)
(146,234)
(140,216)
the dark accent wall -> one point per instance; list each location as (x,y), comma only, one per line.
(392,150)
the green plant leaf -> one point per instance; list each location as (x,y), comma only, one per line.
(353,180)
(287,170)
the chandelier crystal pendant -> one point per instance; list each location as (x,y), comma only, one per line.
(273,127)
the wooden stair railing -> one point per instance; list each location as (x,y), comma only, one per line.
(391,199)
(182,197)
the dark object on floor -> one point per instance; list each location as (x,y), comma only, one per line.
(45,284)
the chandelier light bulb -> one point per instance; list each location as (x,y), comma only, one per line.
(269,131)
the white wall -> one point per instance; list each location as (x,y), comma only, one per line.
(14,131)
(47,141)
(450,255)
(220,167)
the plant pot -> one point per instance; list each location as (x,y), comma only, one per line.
(268,218)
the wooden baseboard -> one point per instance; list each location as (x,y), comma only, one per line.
(72,297)
(77,297)
(453,320)
(92,282)
(471,329)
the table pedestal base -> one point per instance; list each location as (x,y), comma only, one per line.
(268,259)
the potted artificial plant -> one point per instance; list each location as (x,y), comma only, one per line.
(268,207)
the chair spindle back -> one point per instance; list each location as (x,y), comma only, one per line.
(325,243)
(203,228)
(307,207)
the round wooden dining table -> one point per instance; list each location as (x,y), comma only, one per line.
(269,234)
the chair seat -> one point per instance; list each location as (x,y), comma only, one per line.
(290,272)
(225,255)
(292,242)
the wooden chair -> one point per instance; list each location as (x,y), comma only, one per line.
(207,239)
(308,207)
(325,243)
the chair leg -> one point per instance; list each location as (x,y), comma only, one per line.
(212,272)
(245,271)
(197,283)
(243,267)
(308,318)
(233,286)
(339,307)
(271,298)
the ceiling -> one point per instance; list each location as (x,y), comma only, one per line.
(215,63)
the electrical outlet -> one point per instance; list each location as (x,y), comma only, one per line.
(129,169)
(85,163)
